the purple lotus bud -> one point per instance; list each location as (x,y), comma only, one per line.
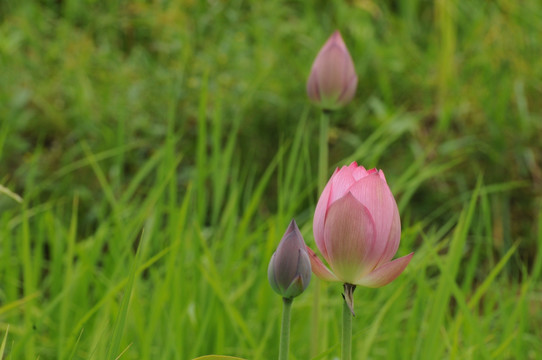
(289,271)
(332,82)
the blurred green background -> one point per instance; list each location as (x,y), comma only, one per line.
(200,106)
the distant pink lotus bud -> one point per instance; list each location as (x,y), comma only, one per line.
(289,270)
(357,229)
(332,82)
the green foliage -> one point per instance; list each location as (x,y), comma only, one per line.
(152,154)
(217,357)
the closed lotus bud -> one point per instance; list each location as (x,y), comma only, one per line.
(332,82)
(357,229)
(289,271)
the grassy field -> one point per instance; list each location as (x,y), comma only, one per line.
(152,153)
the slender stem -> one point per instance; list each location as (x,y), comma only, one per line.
(285,329)
(348,307)
(323,151)
(315,314)
(347,333)
(322,179)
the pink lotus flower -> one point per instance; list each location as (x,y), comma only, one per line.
(332,82)
(357,229)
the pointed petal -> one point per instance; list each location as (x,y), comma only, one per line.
(341,182)
(354,165)
(271,275)
(296,287)
(312,88)
(359,173)
(375,195)
(349,90)
(320,217)
(393,240)
(304,267)
(385,273)
(349,235)
(337,39)
(318,267)
(382,176)
(293,228)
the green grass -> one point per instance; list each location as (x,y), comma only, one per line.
(153,153)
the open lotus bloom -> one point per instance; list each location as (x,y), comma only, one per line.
(332,82)
(357,229)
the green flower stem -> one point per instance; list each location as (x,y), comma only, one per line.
(322,180)
(315,315)
(323,150)
(285,329)
(347,333)
(348,313)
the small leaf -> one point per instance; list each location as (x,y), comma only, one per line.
(3,347)
(11,194)
(217,357)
